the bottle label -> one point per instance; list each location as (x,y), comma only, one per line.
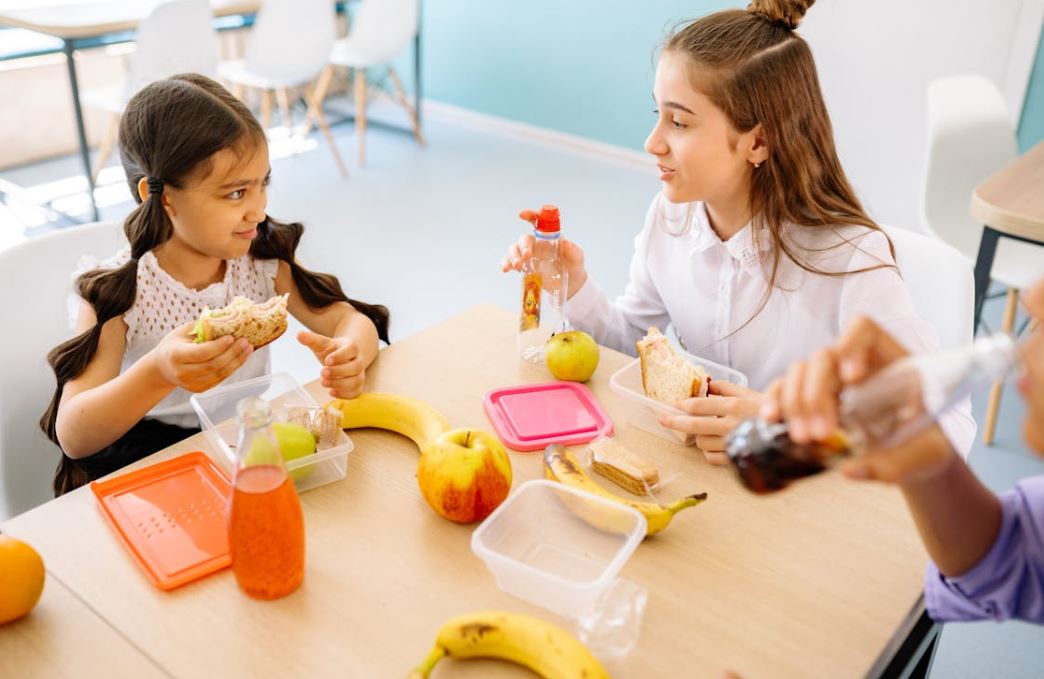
(531,284)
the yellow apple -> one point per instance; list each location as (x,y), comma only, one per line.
(294,441)
(464,474)
(571,356)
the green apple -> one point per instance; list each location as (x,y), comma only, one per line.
(571,356)
(294,441)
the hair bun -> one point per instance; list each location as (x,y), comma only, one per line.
(786,12)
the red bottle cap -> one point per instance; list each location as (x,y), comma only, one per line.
(547,220)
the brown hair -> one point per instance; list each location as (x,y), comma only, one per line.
(170,130)
(756,69)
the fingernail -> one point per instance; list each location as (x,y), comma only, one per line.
(325,373)
(798,431)
(767,411)
(244,344)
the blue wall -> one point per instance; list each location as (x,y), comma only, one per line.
(560,64)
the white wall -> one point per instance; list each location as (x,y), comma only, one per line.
(875,60)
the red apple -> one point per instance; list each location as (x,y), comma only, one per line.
(464,475)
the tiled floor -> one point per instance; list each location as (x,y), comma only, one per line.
(423,231)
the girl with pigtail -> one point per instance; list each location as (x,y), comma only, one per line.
(756,249)
(196,161)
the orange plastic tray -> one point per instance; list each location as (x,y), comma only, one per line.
(171,516)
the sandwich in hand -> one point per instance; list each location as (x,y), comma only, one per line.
(259,323)
(666,376)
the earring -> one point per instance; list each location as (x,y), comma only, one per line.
(757,165)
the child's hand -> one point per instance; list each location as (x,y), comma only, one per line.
(571,254)
(710,418)
(198,367)
(343,373)
(806,398)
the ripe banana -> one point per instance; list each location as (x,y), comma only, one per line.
(548,650)
(562,466)
(408,416)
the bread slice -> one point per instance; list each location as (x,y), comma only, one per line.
(625,468)
(666,376)
(259,323)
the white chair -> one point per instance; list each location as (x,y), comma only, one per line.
(379,31)
(288,48)
(971,136)
(176,37)
(935,271)
(35,279)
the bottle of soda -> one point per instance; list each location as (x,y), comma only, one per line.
(544,286)
(892,406)
(266,525)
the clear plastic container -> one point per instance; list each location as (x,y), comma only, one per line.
(557,547)
(627,381)
(216,410)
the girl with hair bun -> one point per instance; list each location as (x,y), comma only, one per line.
(756,249)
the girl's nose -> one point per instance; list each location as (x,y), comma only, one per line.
(256,210)
(654,143)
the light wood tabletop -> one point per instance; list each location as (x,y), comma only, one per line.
(1012,199)
(90,18)
(62,637)
(811,582)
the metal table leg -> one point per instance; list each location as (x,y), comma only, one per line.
(85,155)
(910,652)
(983,267)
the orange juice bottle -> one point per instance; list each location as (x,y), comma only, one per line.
(265,526)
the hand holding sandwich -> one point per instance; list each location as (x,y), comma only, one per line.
(194,366)
(713,416)
(343,372)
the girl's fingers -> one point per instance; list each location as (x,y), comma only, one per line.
(713,445)
(713,426)
(770,406)
(342,371)
(819,393)
(716,459)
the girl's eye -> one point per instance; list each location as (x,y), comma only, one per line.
(678,125)
(237,194)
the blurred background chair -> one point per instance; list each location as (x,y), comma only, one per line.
(27,458)
(288,48)
(971,136)
(379,31)
(176,37)
(934,270)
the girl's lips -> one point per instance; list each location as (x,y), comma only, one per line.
(665,172)
(249,235)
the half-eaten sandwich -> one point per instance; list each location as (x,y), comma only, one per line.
(257,322)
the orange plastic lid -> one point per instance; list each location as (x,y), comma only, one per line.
(172,517)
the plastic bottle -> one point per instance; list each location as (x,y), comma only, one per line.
(545,283)
(885,410)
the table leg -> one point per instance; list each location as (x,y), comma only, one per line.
(983,267)
(909,653)
(85,155)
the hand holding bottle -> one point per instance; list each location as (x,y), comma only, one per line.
(572,256)
(808,399)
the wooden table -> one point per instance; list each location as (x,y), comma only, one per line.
(76,21)
(62,637)
(816,581)
(1010,204)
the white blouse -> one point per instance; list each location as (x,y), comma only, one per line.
(163,303)
(716,295)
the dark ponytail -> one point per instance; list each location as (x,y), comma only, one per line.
(278,240)
(169,130)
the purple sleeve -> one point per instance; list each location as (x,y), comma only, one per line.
(1009,581)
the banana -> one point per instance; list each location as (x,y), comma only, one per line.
(405,415)
(562,466)
(548,650)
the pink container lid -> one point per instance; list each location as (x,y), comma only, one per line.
(532,416)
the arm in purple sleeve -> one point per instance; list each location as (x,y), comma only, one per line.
(1009,581)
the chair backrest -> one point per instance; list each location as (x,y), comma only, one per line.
(380,29)
(970,136)
(291,39)
(940,281)
(177,37)
(35,280)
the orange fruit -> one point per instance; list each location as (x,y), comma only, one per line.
(21,578)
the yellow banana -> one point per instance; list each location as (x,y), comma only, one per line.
(408,416)
(562,466)
(548,650)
